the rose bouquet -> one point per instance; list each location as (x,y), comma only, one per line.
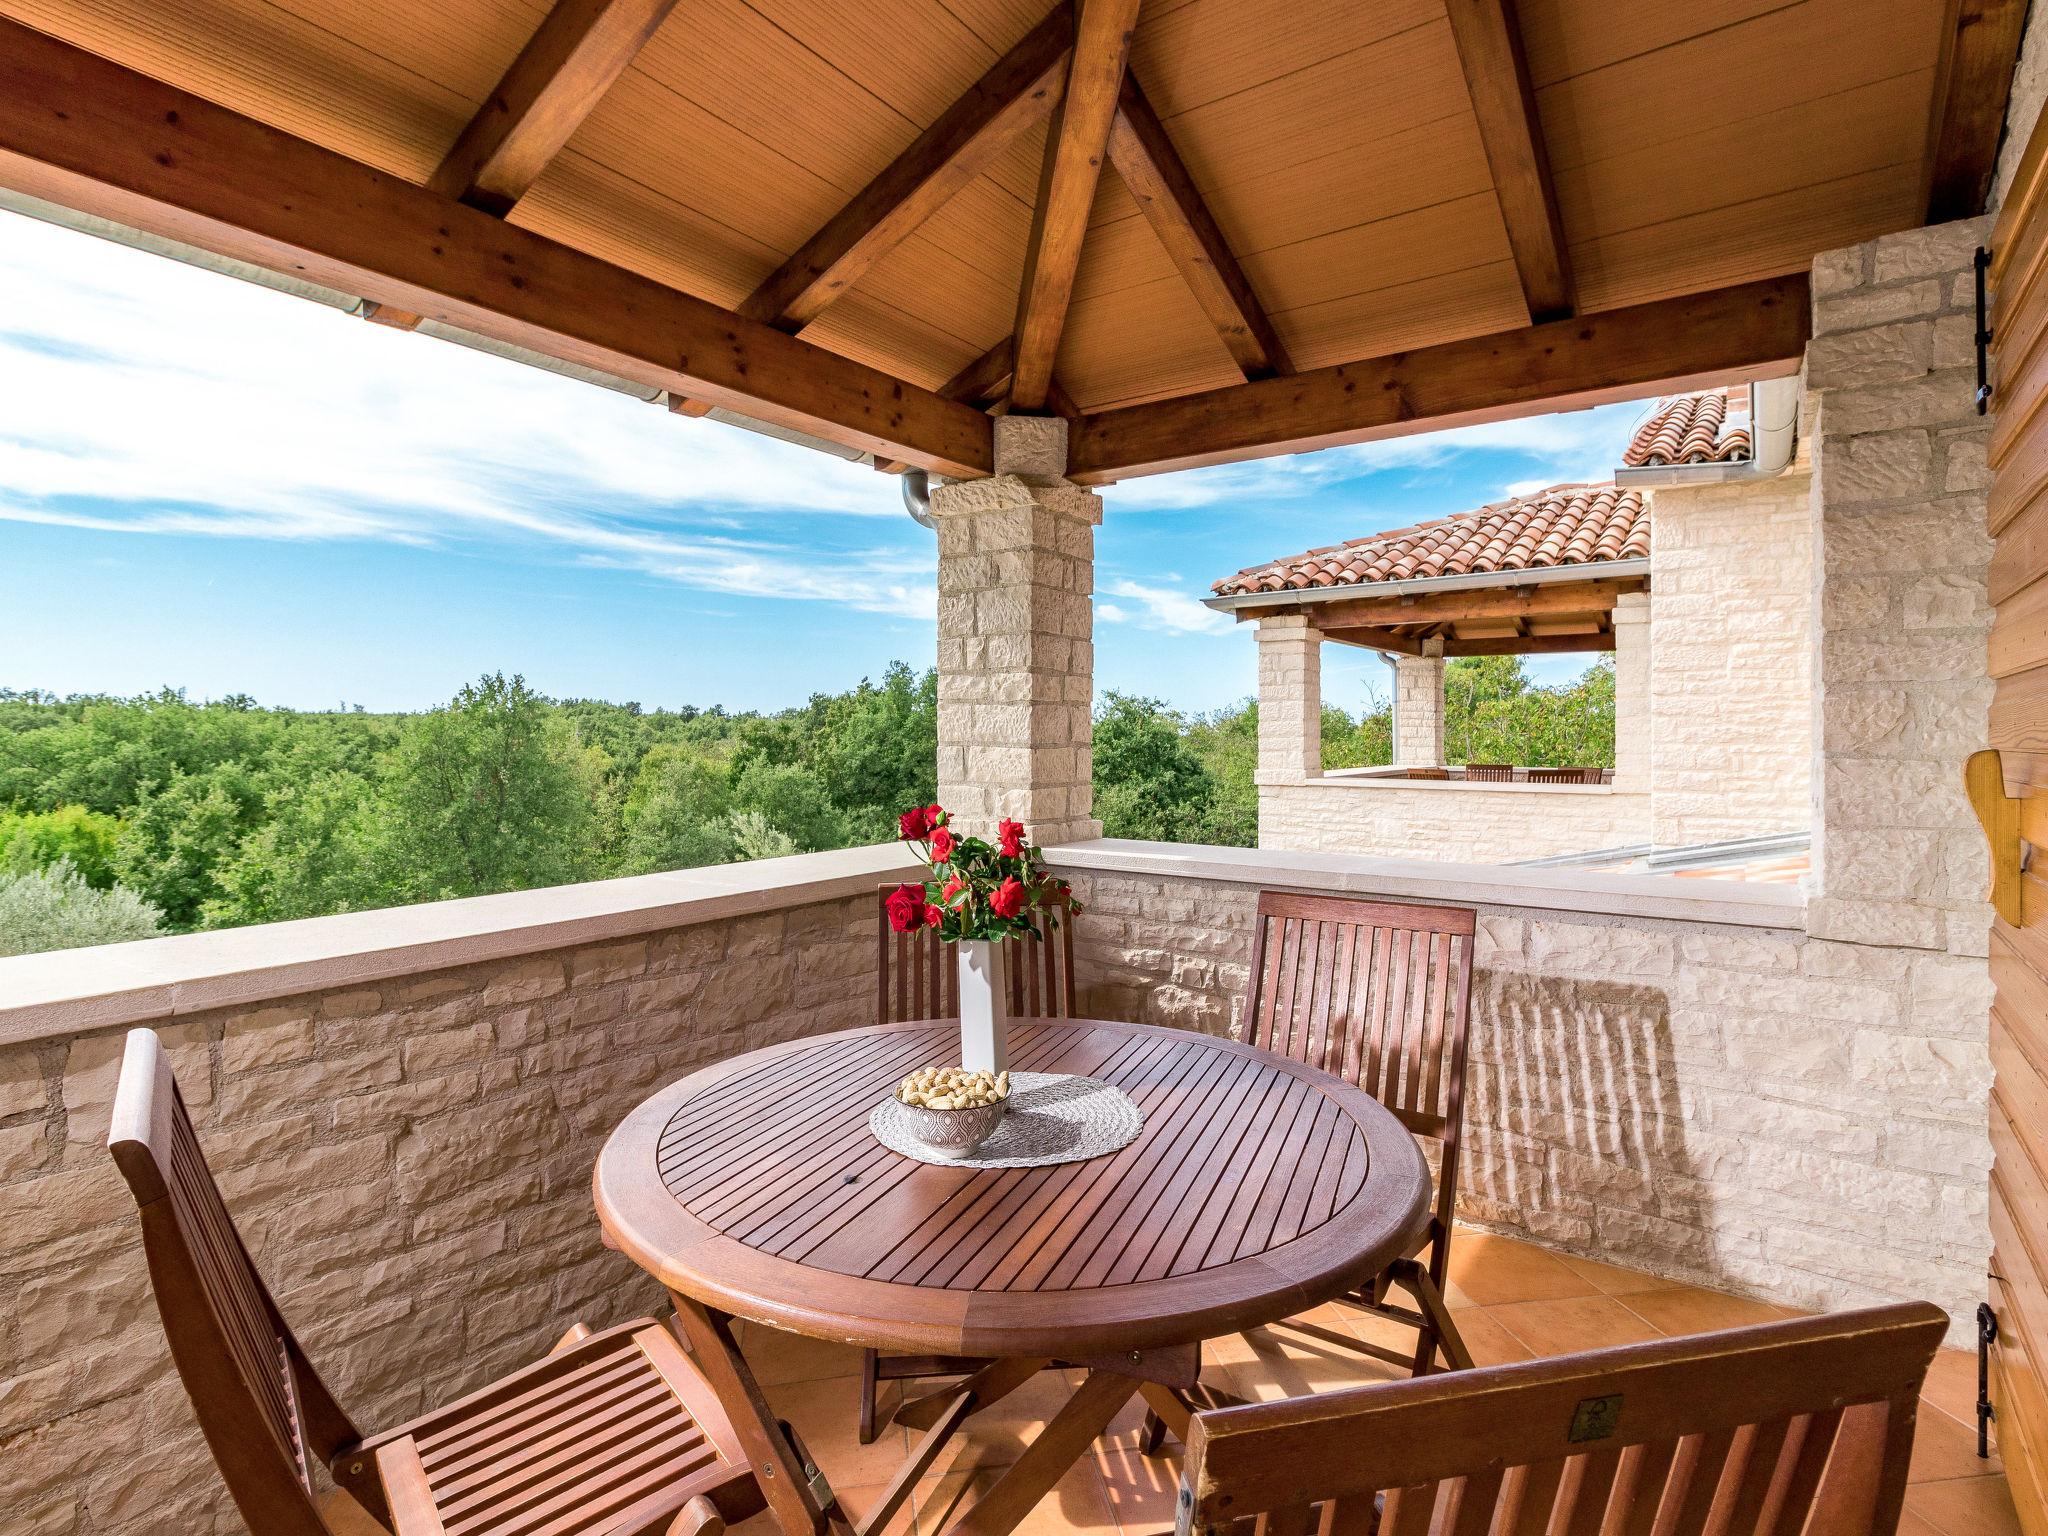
(977,895)
(976,889)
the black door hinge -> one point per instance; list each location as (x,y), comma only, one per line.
(1987,1335)
(1982,263)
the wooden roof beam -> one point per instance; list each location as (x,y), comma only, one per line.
(1980,45)
(1380,639)
(1450,606)
(1019,90)
(561,74)
(86,133)
(1152,171)
(1497,75)
(1074,151)
(1754,330)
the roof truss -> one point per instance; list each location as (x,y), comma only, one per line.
(1074,150)
(1490,51)
(81,131)
(1535,600)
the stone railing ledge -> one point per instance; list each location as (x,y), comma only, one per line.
(68,991)
(1504,885)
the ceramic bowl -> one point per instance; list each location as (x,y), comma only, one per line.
(952,1132)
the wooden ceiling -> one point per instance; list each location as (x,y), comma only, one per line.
(1536,619)
(1207,228)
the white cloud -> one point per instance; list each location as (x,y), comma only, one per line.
(1172,609)
(144,396)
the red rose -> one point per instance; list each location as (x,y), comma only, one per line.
(1011,834)
(953,888)
(1009,898)
(914,824)
(932,915)
(942,845)
(906,908)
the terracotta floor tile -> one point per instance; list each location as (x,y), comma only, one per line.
(1687,1309)
(1911,1524)
(1952,1385)
(1141,1489)
(777,1357)
(1965,1506)
(1612,1279)
(997,1435)
(1572,1323)
(1077,1506)
(1943,1449)
(1488,1342)
(1491,1270)
(826,1415)
(1277,1362)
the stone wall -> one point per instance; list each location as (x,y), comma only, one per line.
(1451,820)
(1903,692)
(1731,658)
(1735,1106)
(410,1162)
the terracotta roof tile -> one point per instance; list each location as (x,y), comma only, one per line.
(1565,525)
(1708,428)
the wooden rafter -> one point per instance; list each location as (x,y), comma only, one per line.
(986,377)
(1980,44)
(1380,639)
(556,82)
(1754,330)
(1497,75)
(1018,91)
(89,134)
(1151,169)
(1074,150)
(1457,604)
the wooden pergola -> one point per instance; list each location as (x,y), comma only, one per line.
(1205,230)
(1529,620)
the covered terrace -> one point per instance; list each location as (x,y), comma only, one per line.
(1028,252)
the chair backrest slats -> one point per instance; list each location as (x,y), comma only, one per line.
(264,1410)
(1778,1430)
(918,976)
(1376,992)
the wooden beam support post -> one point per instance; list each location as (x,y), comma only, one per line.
(1497,74)
(1980,45)
(1755,330)
(85,133)
(556,82)
(1152,170)
(1074,151)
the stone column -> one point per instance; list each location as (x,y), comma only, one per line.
(1016,639)
(1902,555)
(1419,708)
(1290,700)
(1632,691)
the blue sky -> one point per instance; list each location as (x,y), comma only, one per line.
(208,485)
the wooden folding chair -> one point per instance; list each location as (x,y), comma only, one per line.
(613,1434)
(917,978)
(1489,773)
(1793,1427)
(1580,775)
(1379,994)
(1426,773)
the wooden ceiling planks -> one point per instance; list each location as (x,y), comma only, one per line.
(1335,146)
(1974,75)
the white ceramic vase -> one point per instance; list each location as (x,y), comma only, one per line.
(984,1005)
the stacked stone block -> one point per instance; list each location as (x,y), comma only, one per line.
(1290,700)
(1419,710)
(1016,651)
(410,1163)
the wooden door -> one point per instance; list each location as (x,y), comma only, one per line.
(2011,793)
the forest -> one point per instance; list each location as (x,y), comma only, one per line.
(126,818)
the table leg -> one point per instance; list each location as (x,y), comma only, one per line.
(776,1463)
(1046,1459)
(993,1382)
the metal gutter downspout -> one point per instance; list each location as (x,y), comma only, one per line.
(1773,438)
(917,497)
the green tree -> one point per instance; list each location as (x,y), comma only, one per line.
(1148,782)
(180,833)
(37,839)
(54,908)
(795,802)
(321,850)
(678,813)
(492,792)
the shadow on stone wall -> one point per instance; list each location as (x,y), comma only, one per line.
(1575,1122)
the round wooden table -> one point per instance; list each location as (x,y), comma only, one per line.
(1259,1187)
